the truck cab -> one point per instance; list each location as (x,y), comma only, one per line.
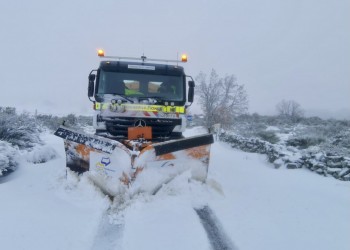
(130,94)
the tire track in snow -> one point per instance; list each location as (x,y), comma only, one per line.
(109,235)
(216,235)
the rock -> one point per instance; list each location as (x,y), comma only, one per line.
(319,156)
(318,166)
(331,164)
(347,178)
(344,172)
(333,170)
(292,165)
(278,163)
(335,158)
(321,171)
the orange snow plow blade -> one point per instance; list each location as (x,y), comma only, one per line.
(128,159)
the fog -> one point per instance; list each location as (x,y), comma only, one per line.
(294,50)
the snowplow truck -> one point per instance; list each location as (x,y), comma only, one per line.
(139,116)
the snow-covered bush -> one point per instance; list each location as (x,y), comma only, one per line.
(269,136)
(49,121)
(342,140)
(19,130)
(40,154)
(8,158)
(20,140)
(18,134)
(53,122)
(85,120)
(304,141)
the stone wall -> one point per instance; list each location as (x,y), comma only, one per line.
(320,162)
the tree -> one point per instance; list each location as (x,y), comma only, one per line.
(290,109)
(221,99)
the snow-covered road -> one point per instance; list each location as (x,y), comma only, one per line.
(255,205)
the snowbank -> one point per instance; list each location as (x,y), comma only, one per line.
(11,155)
(8,158)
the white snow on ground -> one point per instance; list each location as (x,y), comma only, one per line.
(40,209)
(265,208)
(258,206)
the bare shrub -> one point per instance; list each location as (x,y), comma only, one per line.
(290,110)
(221,99)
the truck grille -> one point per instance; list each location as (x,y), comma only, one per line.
(118,126)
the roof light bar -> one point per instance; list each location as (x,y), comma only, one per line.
(143,58)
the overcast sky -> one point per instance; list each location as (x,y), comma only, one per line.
(279,49)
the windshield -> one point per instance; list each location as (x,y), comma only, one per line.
(165,87)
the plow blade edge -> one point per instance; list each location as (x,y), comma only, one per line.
(127,160)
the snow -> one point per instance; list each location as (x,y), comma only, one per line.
(163,223)
(8,154)
(258,206)
(40,154)
(42,210)
(265,208)
(272,128)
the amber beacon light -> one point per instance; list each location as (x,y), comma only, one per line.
(184,58)
(100,52)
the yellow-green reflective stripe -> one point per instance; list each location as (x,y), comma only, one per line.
(147,108)
(175,109)
(99,105)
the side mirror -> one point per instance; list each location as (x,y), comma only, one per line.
(92,77)
(91,85)
(191,86)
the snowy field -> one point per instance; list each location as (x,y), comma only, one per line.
(258,207)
